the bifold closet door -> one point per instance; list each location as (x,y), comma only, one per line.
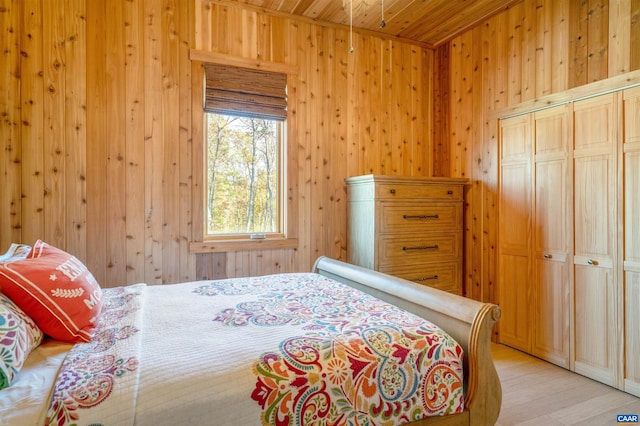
(514,258)
(632,239)
(597,301)
(551,317)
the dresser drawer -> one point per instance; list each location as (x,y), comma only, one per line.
(443,276)
(451,192)
(397,250)
(419,217)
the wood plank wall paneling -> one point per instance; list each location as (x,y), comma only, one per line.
(534,49)
(96,145)
(560,17)
(134,109)
(10,121)
(187,266)
(441,122)
(115,111)
(97,136)
(598,31)
(154,141)
(619,37)
(31,110)
(75,220)
(578,40)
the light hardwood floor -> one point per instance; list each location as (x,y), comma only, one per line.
(537,393)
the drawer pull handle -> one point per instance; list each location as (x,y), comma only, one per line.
(393,191)
(547,256)
(421,216)
(434,247)
(450,192)
(592,262)
(432,277)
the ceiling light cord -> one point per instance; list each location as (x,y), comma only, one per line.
(382,22)
(351,27)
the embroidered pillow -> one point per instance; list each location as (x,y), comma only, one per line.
(19,335)
(56,290)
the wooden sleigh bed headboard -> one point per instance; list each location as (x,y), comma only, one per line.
(468,321)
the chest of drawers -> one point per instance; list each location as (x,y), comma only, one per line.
(410,227)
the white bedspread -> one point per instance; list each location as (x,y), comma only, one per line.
(290,349)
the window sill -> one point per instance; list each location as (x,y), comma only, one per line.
(219,246)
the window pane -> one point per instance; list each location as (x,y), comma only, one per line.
(243,195)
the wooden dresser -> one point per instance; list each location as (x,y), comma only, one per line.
(410,227)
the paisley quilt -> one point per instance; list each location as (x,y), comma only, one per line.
(288,349)
(104,369)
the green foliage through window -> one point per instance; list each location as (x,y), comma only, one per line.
(243,175)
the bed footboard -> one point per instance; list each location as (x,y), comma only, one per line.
(468,321)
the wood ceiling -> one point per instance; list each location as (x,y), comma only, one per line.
(428,22)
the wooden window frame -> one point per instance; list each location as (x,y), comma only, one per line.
(199,242)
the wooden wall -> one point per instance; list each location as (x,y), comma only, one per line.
(96,132)
(536,48)
(95,135)
(95,120)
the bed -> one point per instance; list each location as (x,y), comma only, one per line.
(282,349)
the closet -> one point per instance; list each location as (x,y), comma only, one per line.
(569,236)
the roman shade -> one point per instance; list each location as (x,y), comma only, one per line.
(245,92)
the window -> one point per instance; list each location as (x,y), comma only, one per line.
(245,203)
(243,183)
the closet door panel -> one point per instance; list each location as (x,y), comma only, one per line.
(515,185)
(595,304)
(595,200)
(514,260)
(514,303)
(551,137)
(551,234)
(515,139)
(551,322)
(551,319)
(514,242)
(594,126)
(515,209)
(631,146)
(551,210)
(596,289)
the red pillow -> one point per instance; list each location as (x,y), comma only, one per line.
(56,290)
